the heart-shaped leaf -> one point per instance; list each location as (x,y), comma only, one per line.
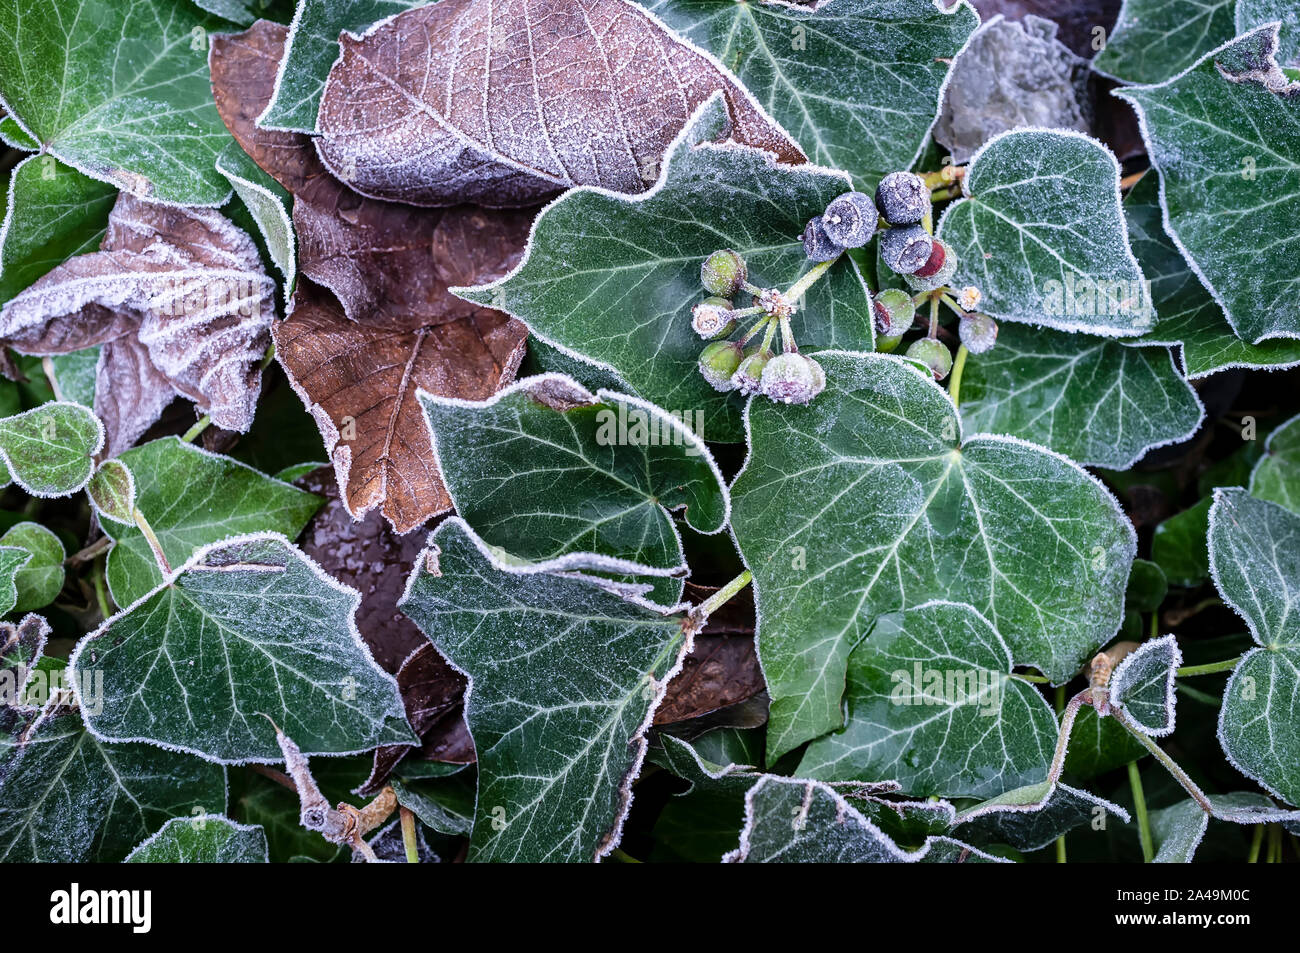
(49,450)
(611,278)
(1154,39)
(40,579)
(825,70)
(557,752)
(191,498)
(112,492)
(248,629)
(1276,476)
(118,91)
(1256,13)
(66,796)
(545,469)
(871,500)
(205,839)
(1255,558)
(1225,137)
(1031,817)
(507,102)
(1096,401)
(1142,686)
(930,704)
(22,645)
(1042,235)
(1178,830)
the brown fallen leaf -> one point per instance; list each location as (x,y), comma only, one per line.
(508,102)
(358,355)
(182,297)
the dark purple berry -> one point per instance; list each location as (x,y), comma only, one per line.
(850,220)
(902,198)
(906,248)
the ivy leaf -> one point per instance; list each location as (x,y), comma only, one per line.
(545,469)
(918,512)
(12,560)
(1255,559)
(1255,13)
(268,203)
(192,498)
(1147,587)
(1031,817)
(1093,400)
(1142,686)
(12,135)
(206,839)
(22,645)
(311,49)
(824,71)
(1099,745)
(930,705)
(1224,137)
(445,805)
(54,213)
(40,579)
(49,449)
(1041,233)
(792,821)
(1154,39)
(1188,317)
(181,303)
(112,492)
(248,627)
(1178,546)
(72,376)
(66,796)
(117,91)
(611,278)
(1179,830)
(507,103)
(565,674)
(1276,476)
(236,11)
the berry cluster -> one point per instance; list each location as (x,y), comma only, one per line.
(789,377)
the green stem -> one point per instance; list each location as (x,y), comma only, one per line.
(771,333)
(1256,840)
(1059,706)
(101,593)
(1060,849)
(152,540)
(1170,764)
(807,281)
(787,337)
(408,836)
(1034,679)
(934,317)
(719,598)
(198,428)
(954,380)
(620,856)
(1209,669)
(767,318)
(1153,629)
(1140,808)
(1275,843)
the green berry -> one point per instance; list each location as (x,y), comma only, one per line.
(978,332)
(850,220)
(933,354)
(894,311)
(791,378)
(723,273)
(902,198)
(938,270)
(906,248)
(748,378)
(817,245)
(718,361)
(888,345)
(712,318)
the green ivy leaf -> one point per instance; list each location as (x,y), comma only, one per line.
(1276,476)
(930,704)
(112,492)
(40,579)
(445,805)
(49,450)
(1042,235)
(236,11)
(1178,546)
(1143,685)
(1255,558)
(824,73)
(1225,137)
(310,51)
(206,839)
(54,213)
(12,135)
(119,91)
(12,560)
(248,627)
(1096,401)
(1031,817)
(68,797)
(1179,830)
(22,646)
(1098,745)
(612,278)
(1256,13)
(73,375)
(1154,39)
(808,822)
(565,674)
(269,205)
(1147,587)
(545,469)
(192,498)
(871,500)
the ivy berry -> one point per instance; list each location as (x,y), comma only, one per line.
(719,361)
(817,245)
(724,273)
(933,354)
(748,378)
(791,378)
(978,332)
(713,318)
(906,248)
(937,271)
(903,198)
(893,311)
(850,220)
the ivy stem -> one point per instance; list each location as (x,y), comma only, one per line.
(1140,808)
(934,317)
(1035,679)
(1063,739)
(771,333)
(787,337)
(954,380)
(1170,764)
(719,598)
(152,540)
(1275,843)
(1059,705)
(798,289)
(201,425)
(1256,840)
(408,835)
(101,593)
(1208,669)
(767,319)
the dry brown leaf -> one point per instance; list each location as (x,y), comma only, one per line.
(508,102)
(357,356)
(185,287)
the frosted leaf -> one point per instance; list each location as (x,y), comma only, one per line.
(247,628)
(936,679)
(1276,476)
(1041,234)
(204,839)
(565,674)
(1256,13)
(445,805)
(1154,39)
(868,500)
(1099,745)
(1255,559)
(236,11)
(1224,137)
(72,376)
(187,285)
(1178,830)
(40,579)
(1096,401)
(135,392)
(22,644)
(1142,686)
(507,102)
(611,279)
(825,70)
(788,820)
(1031,817)
(545,469)
(66,796)
(112,492)
(268,203)
(118,91)
(49,449)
